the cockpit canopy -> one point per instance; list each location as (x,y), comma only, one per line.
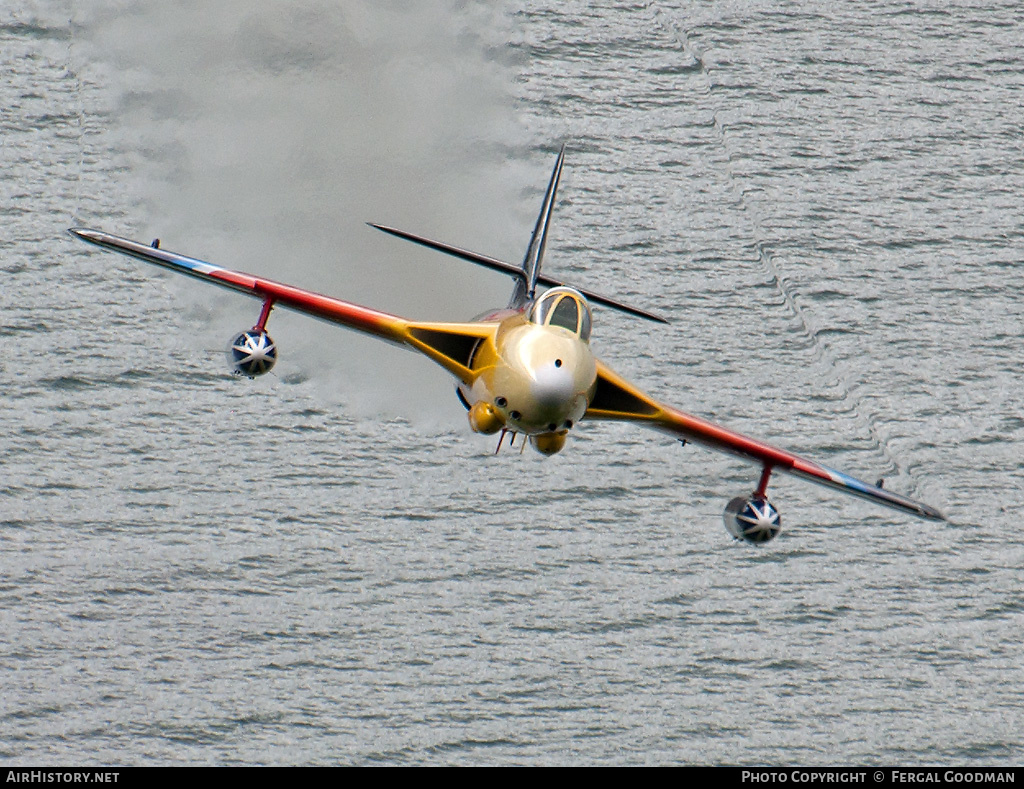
(563,307)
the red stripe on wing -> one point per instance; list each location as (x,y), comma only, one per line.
(346,313)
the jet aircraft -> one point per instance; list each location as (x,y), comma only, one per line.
(525,370)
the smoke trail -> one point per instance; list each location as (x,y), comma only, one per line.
(263,136)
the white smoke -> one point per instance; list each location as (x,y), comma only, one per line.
(263,136)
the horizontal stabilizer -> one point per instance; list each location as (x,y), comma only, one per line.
(517,271)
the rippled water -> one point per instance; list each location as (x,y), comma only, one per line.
(326,567)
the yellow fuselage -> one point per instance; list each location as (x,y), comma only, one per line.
(536,379)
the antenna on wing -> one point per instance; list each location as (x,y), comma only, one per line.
(525,288)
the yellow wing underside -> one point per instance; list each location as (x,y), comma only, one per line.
(451,345)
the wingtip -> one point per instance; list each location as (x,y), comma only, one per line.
(84,233)
(930,513)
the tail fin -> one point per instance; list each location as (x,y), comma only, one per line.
(528,274)
(516,271)
(526,287)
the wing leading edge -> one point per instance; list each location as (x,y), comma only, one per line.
(449,344)
(617,399)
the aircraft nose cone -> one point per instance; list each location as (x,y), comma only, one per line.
(552,385)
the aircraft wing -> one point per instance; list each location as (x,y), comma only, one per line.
(617,399)
(449,344)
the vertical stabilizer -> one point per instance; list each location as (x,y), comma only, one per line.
(524,290)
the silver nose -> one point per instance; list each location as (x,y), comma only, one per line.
(552,385)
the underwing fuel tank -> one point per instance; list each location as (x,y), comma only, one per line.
(252,353)
(752,519)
